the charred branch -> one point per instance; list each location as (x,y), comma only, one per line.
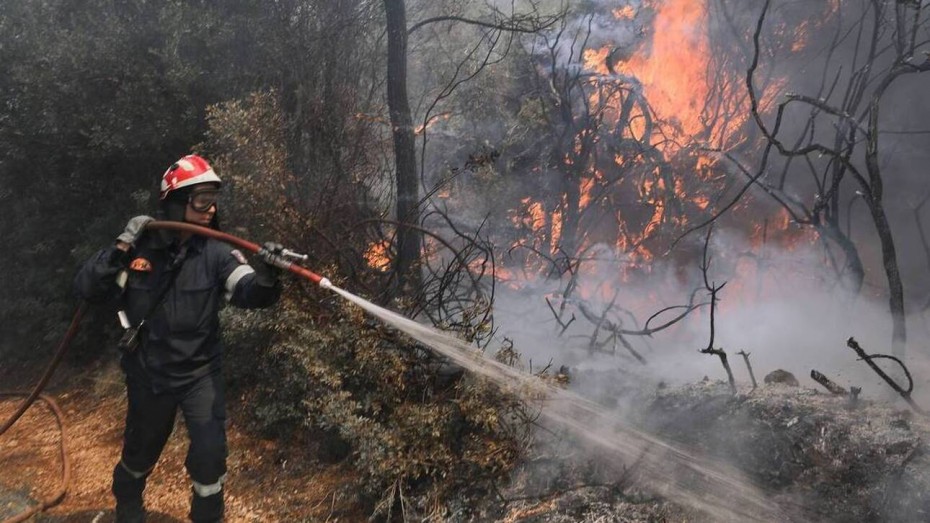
(834,389)
(626,345)
(646,330)
(720,353)
(687,309)
(752,375)
(713,289)
(869,359)
(457,285)
(616,331)
(923,237)
(558,317)
(854,152)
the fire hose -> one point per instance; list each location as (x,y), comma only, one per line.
(36,393)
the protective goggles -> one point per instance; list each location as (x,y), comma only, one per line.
(202,201)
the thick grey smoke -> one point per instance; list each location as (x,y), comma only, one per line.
(796,319)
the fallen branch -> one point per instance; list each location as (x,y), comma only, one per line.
(834,389)
(630,348)
(868,358)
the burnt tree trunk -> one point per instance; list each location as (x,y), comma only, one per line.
(856,276)
(882,227)
(893,276)
(408,238)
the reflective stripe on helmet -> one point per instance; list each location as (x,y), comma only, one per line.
(234,278)
(208,490)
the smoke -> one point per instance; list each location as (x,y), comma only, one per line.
(800,315)
(791,316)
(597,25)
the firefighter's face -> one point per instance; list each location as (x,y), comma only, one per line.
(201,205)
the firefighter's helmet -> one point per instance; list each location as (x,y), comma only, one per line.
(187,171)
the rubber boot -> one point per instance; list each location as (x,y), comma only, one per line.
(128,492)
(208,509)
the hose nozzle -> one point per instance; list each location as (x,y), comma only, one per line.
(287,253)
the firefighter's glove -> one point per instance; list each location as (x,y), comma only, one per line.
(134,229)
(269,263)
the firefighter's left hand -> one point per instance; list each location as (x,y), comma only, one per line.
(134,229)
(268,268)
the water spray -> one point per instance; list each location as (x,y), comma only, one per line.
(678,474)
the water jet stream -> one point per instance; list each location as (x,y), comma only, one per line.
(670,470)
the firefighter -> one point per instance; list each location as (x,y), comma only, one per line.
(171,286)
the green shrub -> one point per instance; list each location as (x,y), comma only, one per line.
(416,428)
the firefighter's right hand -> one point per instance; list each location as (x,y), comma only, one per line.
(133,229)
(270,261)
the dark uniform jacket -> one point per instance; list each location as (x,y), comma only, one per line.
(180,340)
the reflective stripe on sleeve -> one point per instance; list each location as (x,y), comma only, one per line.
(208,490)
(234,278)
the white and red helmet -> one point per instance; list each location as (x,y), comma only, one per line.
(187,171)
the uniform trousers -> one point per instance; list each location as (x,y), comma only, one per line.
(150,419)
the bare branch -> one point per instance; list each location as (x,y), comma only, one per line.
(558,317)
(517,24)
(713,288)
(752,375)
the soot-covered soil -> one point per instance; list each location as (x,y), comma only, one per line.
(830,459)
(815,455)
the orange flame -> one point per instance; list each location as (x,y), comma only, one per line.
(626,12)
(377,256)
(535,217)
(432,121)
(673,66)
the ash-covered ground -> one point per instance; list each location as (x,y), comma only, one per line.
(818,456)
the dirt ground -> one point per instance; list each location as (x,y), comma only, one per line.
(268,480)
